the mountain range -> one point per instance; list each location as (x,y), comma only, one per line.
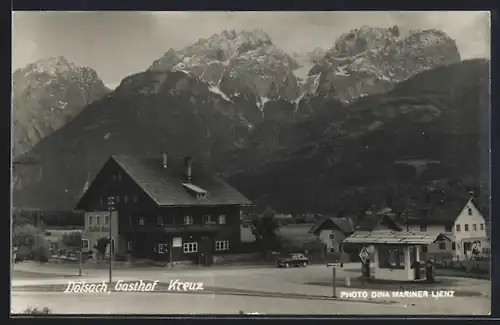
(46,95)
(234,101)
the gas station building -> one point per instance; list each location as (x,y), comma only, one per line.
(395,251)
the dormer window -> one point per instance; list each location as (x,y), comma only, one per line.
(197,191)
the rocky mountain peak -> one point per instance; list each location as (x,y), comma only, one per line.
(47,94)
(371,60)
(238,65)
(52,66)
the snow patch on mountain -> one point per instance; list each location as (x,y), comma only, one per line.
(216,90)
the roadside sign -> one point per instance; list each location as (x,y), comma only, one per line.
(364,255)
(177,242)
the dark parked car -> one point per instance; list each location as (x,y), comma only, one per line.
(294,259)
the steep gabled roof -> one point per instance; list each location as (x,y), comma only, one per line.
(371,221)
(343,224)
(441,212)
(167,186)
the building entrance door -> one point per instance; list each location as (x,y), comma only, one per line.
(206,251)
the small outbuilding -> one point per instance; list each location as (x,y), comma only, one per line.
(394,254)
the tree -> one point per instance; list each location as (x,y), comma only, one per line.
(31,243)
(102,245)
(72,239)
(265,229)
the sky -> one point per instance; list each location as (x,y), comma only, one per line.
(118,44)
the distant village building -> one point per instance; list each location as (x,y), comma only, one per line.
(332,231)
(164,210)
(384,219)
(462,222)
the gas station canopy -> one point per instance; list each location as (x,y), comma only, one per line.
(386,237)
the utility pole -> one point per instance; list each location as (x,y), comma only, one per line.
(80,262)
(170,251)
(111,203)
(38,235)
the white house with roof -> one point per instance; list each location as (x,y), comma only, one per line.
(469,231)
(463,223)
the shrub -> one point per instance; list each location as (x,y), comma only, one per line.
(37,311)
(72,239)
(31,243)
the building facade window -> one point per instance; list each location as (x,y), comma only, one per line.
(222,219)
(119,176)
(159,220)
(208,220)
(331,236)
(466,228)
(130,220)
(457,228)
(424,249)
(188,220)
(332,249)
(453,246)
(162,248)
(222,245)
(129,246)
(90,220)
(474,227)
(106,220)
(117,199)
(448,229)
(141,221)
(442,246)
(101,200)
(125,199)
(114,177)
(481,226)
(190,247)
(469,210)
(423,227)
(136,199)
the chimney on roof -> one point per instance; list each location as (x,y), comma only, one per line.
(164,160)
(188,163)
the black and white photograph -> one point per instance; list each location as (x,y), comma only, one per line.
(250,163)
